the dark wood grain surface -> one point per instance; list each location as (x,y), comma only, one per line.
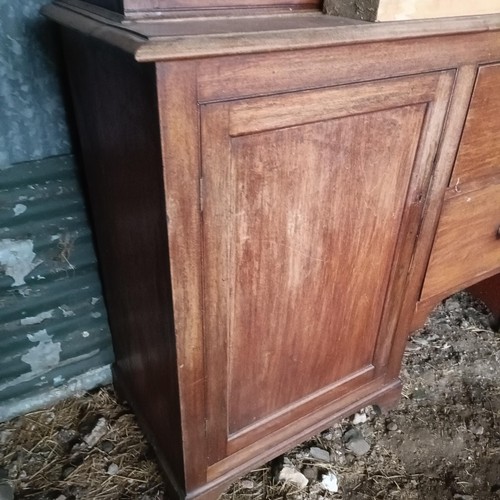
(117,117)
(265,217)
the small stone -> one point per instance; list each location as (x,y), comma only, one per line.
(418,394)
(319,454)
(61,497)
(6,492)
(67,471)
(359,446)
(330,482)
(340,459)
(291,475)
(311,473)
(457,496)
(328,436)
(352,433)
(97,433)
(247,484)
(106,446)
(478,430)
(392,426)
(113,469)
(359,418)
(67,437)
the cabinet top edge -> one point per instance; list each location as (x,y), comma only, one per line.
(188,38)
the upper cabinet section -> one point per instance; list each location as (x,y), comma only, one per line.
(479,153)
(139,8)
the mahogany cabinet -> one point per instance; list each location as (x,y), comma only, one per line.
(275,209)
(466,249)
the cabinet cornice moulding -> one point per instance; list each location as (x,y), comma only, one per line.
(174,39)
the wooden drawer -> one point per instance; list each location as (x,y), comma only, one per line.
(479,153)
(467,244)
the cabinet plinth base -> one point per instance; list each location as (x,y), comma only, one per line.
(385,398)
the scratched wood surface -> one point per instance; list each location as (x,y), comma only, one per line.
(467,245)
(479,152)
(287,290)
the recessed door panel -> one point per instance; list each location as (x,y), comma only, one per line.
(303,199)
(312,206)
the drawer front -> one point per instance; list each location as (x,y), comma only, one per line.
(467,245)
(479,152)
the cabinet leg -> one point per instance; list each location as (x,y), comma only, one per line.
(488,291)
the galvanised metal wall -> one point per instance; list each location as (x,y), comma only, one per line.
(54,335)
(32,117)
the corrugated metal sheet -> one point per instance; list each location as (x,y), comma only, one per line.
(32,116)
(54,335)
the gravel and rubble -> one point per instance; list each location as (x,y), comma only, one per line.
(441,442)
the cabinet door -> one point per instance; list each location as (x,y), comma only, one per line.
(304,195)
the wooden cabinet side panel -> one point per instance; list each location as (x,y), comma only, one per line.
(115,107)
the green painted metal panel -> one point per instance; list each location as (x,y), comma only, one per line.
(54,334)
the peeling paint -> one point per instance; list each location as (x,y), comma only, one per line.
(66,311)
(33,320)
(19,209)
(43,356)
(26,377)
(39,296)
(17,259)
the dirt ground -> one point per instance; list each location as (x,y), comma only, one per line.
(441,442)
